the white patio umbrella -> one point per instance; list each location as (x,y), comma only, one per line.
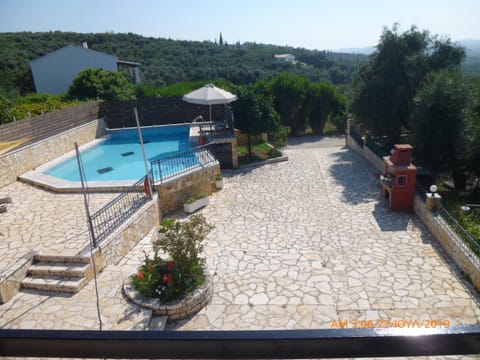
(209,95)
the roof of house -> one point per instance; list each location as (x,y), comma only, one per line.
(55,52)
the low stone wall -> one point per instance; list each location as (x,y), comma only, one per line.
(10,281)
(172,194)
(20,161)
(119,244)
(449,241)
(372,158)
(352,144)
(181,309)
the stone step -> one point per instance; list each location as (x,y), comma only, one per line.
(54,283)
(61,259)
(157,322)
(58,273)
(59,269)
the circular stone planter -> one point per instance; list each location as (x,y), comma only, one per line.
(174,310)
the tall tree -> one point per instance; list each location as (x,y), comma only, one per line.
(254,113)
(385,88)
(328,102)
(438,131)
(289,92)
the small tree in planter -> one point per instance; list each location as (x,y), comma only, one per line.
(172,279)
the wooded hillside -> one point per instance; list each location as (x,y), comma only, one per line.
(166,61)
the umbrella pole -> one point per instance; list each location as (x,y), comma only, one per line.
(210,107)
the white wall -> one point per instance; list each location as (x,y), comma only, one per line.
(54,72)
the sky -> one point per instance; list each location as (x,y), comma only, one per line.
(311,24)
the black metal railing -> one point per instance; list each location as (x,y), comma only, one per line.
(375,148)
(107,219)
(461,236)
(180,163)
(467,242)
(266,344)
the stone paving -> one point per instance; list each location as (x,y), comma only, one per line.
(43,222)
(296,245)
(302,243)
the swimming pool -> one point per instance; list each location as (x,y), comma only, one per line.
(119,155)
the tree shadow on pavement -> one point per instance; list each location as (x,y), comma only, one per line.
(357,177)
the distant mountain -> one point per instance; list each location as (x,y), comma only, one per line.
(368,50)
(472,46)
(472,62)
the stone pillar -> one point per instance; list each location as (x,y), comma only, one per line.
(432,201)
(349,124)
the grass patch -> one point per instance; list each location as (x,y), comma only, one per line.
(260,152)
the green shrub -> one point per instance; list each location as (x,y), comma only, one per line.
(192,199)
(171,279)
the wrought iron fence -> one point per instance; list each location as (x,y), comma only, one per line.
(182,162)
(117,211)
(468,243)
(375,148)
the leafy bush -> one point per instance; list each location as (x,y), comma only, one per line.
(171,279)
(103,84)
(30,105)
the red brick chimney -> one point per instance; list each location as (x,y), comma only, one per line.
(402,155)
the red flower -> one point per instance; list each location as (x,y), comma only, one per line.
(167,277)
(170,265)
(140,275)
(150,267)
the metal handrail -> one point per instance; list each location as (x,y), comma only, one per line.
(107,219)
(182,162)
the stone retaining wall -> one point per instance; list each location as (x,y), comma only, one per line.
(449,241)
(172,194)
(27,158)
(119,244)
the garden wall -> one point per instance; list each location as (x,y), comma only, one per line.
(172,194)
(449,241)
(27,158)
(363,150)
(122,240)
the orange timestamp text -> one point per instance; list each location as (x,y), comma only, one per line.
(393,323)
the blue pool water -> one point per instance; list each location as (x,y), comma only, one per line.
(119,156)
